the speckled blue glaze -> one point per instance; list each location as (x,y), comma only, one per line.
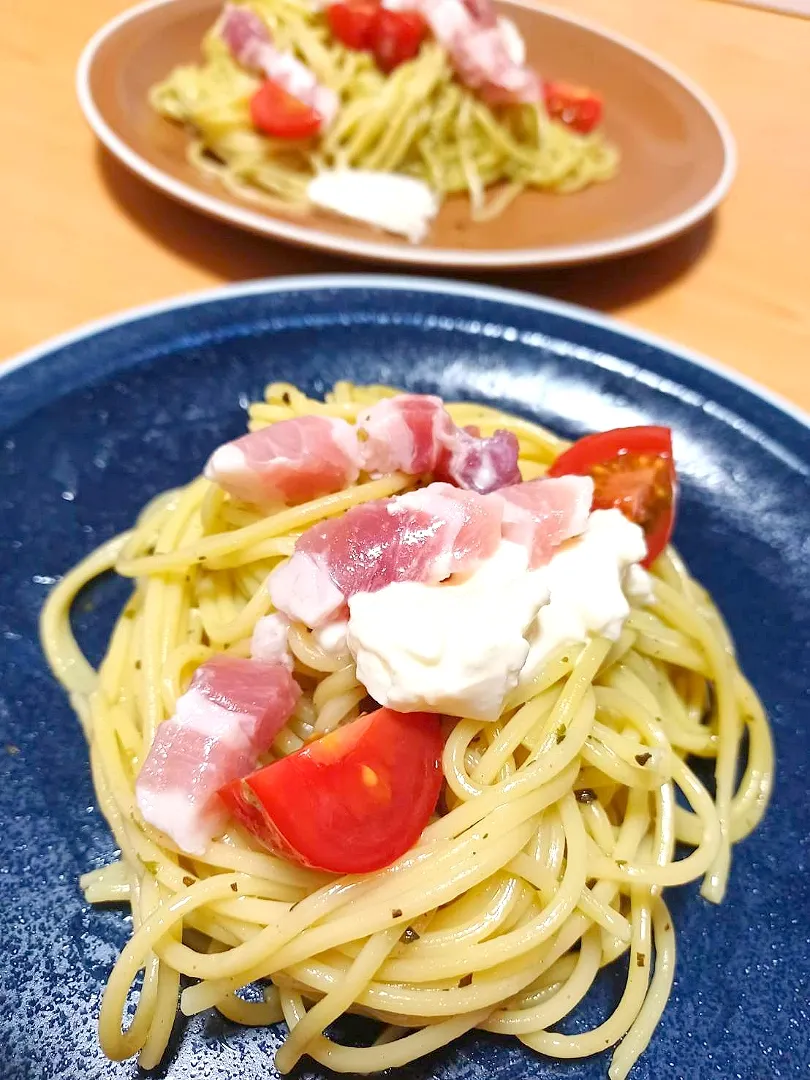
(101,422)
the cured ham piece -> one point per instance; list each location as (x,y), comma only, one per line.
(541,514)
(479,463)
(230,714)
(413,433)
(250,43)
(423,536)
(482,50)
(289,462)
(407,433)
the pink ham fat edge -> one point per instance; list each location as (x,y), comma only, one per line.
(414,434)
(305,457)
(289,462)
(426,536)
(231,713)
(251,45)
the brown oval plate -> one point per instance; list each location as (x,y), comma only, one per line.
(678,155)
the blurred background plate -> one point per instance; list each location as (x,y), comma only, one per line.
(94,424)
(678,156)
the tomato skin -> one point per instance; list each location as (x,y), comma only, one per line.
(351,802)
(632,469)
(277,113)
(352,22)
(576,106)
(398,37)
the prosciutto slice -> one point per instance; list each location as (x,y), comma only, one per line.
(250,43)
(424,536)
(542,514)
(479,463)
(230,714)
(406,433)
(482,50)
(413,433)
(289,462)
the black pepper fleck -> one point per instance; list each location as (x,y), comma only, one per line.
(465,980)
(285,397)
(137,665)
(586,795)
(396,913)
(187,880)
(641,960)
(409,936)
(642,759)
(234,887)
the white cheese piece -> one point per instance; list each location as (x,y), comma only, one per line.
(585,579)
(461,647)
(638,585)
(399,204)
(332,638)
(450,648)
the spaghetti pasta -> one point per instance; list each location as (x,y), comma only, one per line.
(550,856)
(418,120)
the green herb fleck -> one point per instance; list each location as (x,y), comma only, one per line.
(560,733)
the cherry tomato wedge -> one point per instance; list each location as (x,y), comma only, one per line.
(576,106)
(352,22)
(633,470)
(397,37)
(277,113)
(353,801)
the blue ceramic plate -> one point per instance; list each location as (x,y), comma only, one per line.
(93,425)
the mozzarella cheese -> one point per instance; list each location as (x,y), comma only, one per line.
(462,646)
(399,204)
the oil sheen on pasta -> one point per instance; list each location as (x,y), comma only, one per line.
(419,121)
(549,860)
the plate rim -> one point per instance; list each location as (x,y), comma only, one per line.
(400,282)
(380,250)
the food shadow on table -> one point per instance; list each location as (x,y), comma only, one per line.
(234,255)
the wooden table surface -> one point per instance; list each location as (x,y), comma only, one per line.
(83,238)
